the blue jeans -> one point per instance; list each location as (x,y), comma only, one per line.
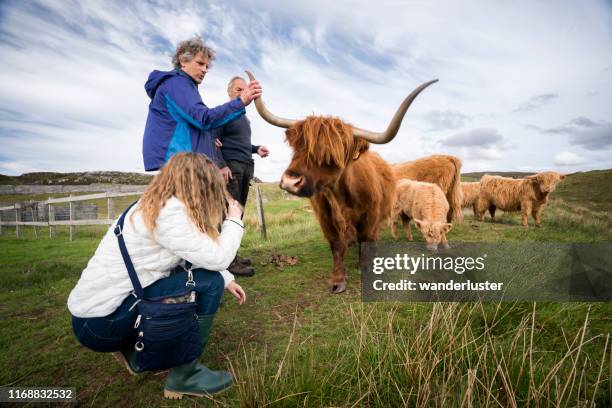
(116,331)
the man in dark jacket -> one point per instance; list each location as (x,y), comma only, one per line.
(178,120)
(237,151)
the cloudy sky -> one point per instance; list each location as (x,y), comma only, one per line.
(524,85)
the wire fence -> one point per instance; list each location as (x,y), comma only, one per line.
(72,211)
(79,210)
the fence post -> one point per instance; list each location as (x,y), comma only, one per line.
(51,218)
(17,219)
(260,212)
(110,207)
(34,204)
(71,212)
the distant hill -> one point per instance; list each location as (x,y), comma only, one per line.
(592,189)
(85,178)
(478,174)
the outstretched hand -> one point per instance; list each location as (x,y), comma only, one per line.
(263,151)
(237,291)
(252,91)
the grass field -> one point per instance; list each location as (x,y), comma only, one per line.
(294,344)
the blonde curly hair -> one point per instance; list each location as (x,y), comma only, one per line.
(197,183)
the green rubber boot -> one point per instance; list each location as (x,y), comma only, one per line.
(127,357)
(193,378)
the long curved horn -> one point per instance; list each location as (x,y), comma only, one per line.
(394,125)
(266,114)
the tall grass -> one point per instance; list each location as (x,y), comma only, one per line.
(294,344)
(466,355)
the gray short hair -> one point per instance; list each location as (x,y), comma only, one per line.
(231,82)
(188,49)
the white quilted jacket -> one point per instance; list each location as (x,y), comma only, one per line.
(105,282)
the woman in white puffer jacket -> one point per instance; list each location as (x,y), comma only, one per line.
(182,216)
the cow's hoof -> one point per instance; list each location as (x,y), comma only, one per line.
(338,287)
(445,246)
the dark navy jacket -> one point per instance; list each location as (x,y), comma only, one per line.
(236,139)
(178,120)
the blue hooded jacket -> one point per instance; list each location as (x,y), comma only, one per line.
(178,120)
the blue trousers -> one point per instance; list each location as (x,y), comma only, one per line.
(116,331)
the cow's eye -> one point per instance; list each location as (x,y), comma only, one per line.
(328,166)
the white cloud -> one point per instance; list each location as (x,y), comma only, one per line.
(74,74)
(565,158)
(483,137)
(483,153)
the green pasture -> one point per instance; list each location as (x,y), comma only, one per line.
(294,344)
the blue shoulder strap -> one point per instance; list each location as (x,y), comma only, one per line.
(138,291)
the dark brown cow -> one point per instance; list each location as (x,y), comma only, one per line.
(351,189)
(443,170)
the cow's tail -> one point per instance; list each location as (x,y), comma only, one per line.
(456,196)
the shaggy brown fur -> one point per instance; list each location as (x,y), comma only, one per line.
(469,195)
(351,189)
(426,204)
(529,195)
(325,140)
(445,171)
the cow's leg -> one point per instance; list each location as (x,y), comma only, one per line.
(480,206)
(492,209)
(406,225)
(367,232)
(393,225)
(537,214)
(444,241)
(338,279)
(525,210)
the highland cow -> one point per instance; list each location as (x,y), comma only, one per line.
(469,195)
(443,170)
(426,205)
(350,188)
(528,195)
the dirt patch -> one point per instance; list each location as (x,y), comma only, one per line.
(280,260)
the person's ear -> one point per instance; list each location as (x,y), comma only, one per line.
(182,61)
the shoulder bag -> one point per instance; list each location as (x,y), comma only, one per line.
(167,330)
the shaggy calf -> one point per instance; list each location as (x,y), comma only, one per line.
(529,195)
(469,195)
(427,206)
(443,170)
